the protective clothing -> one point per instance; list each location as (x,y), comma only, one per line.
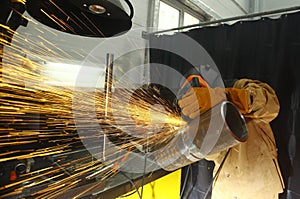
(239,97)
(251,169)
(200,99)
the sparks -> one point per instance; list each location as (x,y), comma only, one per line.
(38,122)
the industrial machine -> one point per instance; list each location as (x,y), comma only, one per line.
(56,162)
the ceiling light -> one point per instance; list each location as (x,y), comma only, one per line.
(97,9)
(92,18)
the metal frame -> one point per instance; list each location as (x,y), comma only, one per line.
(203,24)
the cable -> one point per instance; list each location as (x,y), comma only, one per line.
(132,183)
(131,8)
(191,172)
(135,187)
(124,196)
(144,174)
(185,180)
(217,173)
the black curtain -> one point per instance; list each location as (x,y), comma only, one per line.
(265,49)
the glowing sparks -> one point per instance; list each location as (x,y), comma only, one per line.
(38,124)
(54,20)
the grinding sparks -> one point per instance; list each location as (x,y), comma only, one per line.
(38,125)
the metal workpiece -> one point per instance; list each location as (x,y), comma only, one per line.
(216,130)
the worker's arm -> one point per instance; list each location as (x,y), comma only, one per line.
(239,97)
(199,100)
(255,99)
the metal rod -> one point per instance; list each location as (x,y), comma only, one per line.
(107,91)
(145,34)
(108,80)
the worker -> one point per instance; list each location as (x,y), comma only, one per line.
(250,169)
(197,177)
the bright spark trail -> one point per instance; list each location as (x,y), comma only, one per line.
(37,123)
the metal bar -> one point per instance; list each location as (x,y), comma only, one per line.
(108,80)
(145,34)
(107,91)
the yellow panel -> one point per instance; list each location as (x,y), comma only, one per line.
(167,187)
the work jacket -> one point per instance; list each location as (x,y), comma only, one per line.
(251,169)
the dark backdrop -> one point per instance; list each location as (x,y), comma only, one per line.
(265,49)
